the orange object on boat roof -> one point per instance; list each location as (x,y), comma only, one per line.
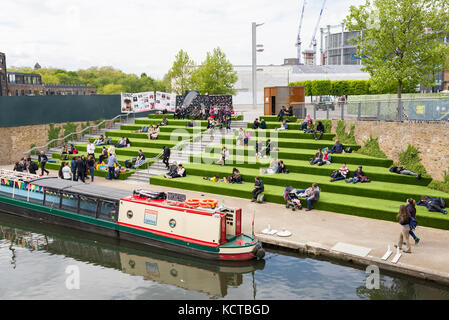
(192,202)
(208,203)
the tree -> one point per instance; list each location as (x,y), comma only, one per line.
(215,75)
(396,45)
(181,72)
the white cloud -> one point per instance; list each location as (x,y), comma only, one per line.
(144,35)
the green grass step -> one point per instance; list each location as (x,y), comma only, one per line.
(97,173)
(144,143)
(120,158)
(289,134)
(340,203)
(297,143)
(177,123)
(302,166)
(374,189)
(133,127)
(275,118)
(129,152)
(306,154)
(162,135)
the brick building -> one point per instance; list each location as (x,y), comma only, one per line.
(3,78)
(20,84)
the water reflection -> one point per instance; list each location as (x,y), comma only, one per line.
(211,278)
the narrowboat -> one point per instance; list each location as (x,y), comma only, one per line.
(200,228)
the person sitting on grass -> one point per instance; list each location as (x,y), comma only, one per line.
(65,152)
(100,141)
(282,168)
(303,125)
(340,174)
(281,113)
(326,159)
(190,124)
(402,170)
(236,177)
(256,124)
(319,130)
(337,147)
(311,195)
(121,143)
(309,127)
(359,176)
(240,136)
(140,159)
(263,124)
(179,173)
(155,133)
(274,166)
(163,123)
(433,204)
(258,147)
(283,127)
(258,188)
(316,158)
(246,139)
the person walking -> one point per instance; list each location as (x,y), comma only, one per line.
(73,168)
(91,166)
(66,172)
(411,208)
(43,159)
(166,156)
(81,169)
(404,220)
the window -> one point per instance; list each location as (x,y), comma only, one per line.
(51,198)
(88,206)
(69,202)
(108,210)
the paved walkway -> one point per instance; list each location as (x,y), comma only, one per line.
(316,232)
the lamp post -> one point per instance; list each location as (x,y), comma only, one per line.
(256,48)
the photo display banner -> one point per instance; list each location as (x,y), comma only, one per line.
(137,102)
(165,101)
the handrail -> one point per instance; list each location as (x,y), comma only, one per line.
(77,133)
(175,148)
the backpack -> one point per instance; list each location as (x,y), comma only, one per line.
(348,150)
(334,174)
(261,198)
(128,164)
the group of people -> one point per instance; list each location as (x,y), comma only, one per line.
(343,174)
(27,165)
(78,169)
(308,127)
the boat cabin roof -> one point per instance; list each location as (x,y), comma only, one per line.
(81,188)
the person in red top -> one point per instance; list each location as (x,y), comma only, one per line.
(341,174)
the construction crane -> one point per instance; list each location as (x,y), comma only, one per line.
(313,42)
(298,41)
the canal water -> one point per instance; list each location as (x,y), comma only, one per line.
(39,261)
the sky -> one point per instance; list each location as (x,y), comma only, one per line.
(138,36)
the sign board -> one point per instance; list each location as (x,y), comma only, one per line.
(150,217)
(178,197)
(137,102)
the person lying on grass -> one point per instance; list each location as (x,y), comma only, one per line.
(402,170)
(433,204)
(274,165)
(340,174)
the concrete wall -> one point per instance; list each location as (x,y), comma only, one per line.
(15,141)
(432,139)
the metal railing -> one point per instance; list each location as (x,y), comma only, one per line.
(377,110)
(54,143)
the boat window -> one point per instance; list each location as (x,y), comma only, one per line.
(69,201)
(88,206)
(108,210)
(35,194)
(52,198)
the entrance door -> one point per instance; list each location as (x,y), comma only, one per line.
(273,105)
